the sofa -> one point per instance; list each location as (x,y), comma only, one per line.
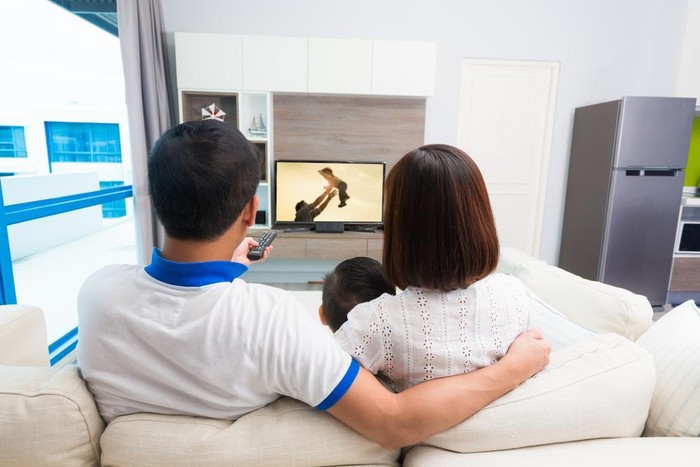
(623,390)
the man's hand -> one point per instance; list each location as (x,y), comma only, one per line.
(529,352)
(241,252)
(332,193)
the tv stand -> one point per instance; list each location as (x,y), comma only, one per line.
(307,244)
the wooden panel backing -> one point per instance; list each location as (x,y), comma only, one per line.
(685,275)
(347,128)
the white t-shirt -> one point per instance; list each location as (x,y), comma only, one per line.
(191,338)
(422,334)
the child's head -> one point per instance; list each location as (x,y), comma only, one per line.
(201,174)
(353,281)
(326,171)
(439,231)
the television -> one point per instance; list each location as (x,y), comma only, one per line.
(301,196)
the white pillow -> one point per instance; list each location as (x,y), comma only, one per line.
(560,331)
(674,342)
(600,387)
(594,305)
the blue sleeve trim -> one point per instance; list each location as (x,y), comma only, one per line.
(342,387)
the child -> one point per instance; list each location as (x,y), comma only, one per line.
(455,314)
(335,182)
(352,282)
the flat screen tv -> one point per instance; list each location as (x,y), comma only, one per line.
(301,196)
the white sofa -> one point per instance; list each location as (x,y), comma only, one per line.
(603,400)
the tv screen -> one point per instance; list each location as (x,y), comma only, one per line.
(356,193)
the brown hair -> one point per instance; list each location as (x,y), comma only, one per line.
(439,231)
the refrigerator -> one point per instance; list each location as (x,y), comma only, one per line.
(623,197)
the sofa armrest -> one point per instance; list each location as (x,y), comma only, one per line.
(23,336)
(602,308)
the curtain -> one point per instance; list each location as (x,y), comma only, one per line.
(143,58)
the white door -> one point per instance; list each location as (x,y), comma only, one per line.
(505,125)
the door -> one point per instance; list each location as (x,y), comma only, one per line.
(505,125)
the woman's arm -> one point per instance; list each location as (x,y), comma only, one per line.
(396,420)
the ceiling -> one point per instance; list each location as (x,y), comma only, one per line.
(101,13)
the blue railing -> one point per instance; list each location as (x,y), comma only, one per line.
(23,212)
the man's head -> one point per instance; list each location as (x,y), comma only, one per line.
(300,205)
(201,174)
(354,281)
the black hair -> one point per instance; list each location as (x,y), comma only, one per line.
(201,174)
(353,281)
(300,205)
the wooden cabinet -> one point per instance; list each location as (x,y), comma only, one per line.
(340,246)
(275,63)
(208,62)
(342,66)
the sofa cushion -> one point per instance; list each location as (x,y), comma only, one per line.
(599,387)
(619,452)
(48,417)
(599,307)
(674,342)
(23,336)
(286,432)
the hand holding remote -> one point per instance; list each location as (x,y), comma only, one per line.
(256,253)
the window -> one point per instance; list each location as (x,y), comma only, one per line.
(83,142)
(113,208)
(12,142)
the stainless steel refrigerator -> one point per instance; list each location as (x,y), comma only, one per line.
(624,189)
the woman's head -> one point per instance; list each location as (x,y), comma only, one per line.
(439,231)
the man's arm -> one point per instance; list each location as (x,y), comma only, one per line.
(320,209)
(396,420)
(320,198)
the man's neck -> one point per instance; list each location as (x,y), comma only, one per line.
(193,251)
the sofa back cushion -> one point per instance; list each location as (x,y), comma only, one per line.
(599,387)
(286,432)
(23,336)
(48,417)
(674,342)
(596,306)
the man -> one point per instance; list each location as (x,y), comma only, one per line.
(306,212)
(185,335)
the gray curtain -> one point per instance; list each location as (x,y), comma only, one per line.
(143,57)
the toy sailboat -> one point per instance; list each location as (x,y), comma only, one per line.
(257,126)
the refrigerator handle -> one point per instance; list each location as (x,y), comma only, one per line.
(651,172)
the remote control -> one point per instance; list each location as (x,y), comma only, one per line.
(263,242)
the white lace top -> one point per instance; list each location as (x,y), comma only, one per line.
(422,334)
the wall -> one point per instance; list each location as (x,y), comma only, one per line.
(607,49)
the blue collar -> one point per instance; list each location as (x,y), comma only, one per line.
(193,274)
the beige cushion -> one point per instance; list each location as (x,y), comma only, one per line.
(48,417)
(286,432)
(599,387)
(621,452)
(674,342)
(23,336)
(599,307)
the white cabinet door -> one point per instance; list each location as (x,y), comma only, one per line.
(210,62)
(402,68)
(340,66)
(505,125)
(688,82)
(275,63)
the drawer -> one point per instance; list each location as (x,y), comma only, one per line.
(686,274)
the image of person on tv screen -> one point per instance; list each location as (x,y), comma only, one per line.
(306,212)
(335,182)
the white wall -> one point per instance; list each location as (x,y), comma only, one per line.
(607,49)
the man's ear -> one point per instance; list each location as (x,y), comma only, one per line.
(322,316)
(250,210)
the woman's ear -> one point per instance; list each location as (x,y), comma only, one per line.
(322,316)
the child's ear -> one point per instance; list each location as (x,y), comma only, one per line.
(322,316)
